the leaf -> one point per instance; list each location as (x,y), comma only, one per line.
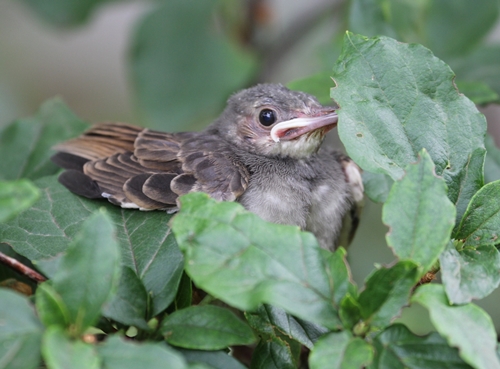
(118,353)
(21,332)
(65,12)
(27,142)
(317,85)
(467,327)
(60,352)
(479,92)
(130,302)
(387,291)
(339,273)
(50,306)
(237,257)
(492,161)
(147,246)
(377,186)
(273,321)
(398,348)
(340,350)
(16,196)
(206,328)
(367,17)
(480,225)
(88,271)
(275,353)
(173,74)
(396,99)
(470,273)
(215,359)
(419,214)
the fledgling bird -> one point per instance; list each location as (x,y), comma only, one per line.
(263,151)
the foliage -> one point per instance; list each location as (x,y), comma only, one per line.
(123,292)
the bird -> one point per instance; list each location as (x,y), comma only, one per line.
(264,151)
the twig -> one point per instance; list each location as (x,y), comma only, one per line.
(21,268)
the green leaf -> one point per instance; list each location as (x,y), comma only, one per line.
(186,79)
(146,243)
(65,12)
(492,161)
(396,99)
(215,359)
(273,321)
(118,353)
(350,311)
(317,85)
(479,92)
(21,332)
(88,271)
(471,273)
(237,257)
(130,302)
(61,352)
(15,197)
(377,186)
(276,353)
(387,291)
(480,225)
(339,273)
(27,142)
(466,327)
(50,307)
(398,348)
(368,17)
(416,205)
(340,350)
(206,328)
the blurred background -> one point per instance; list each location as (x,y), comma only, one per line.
(172,64)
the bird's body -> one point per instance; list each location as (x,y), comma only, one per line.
(263,151)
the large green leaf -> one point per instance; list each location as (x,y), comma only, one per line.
(467,327)
(88,271)
(480,225)
(340,350)
(471,273)
(146,243)
(61,352)
(398,348)
(183,69)
(416,205)
(16,196)
(214,359)
(27,142)
(236,256)
(206,328)
(21,332)
(396,99)
(118,353)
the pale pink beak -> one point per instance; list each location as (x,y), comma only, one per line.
(290,129)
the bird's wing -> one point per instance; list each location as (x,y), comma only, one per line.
(141,168)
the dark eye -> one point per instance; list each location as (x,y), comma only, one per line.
(267,117)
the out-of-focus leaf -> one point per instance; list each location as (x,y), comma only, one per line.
(479,92)
(367,17)
(25,144)
(61,352)
(273,321)
(215,359)
(146,243)
(16,196)
(50,306)
(480,225)
(65,12)
(21,332)
(467,327)
(117,353)
(417,204)
(397,99)
(471,273)
(183,80)
(206,328)
(377,186)
(492,161)
(237,257)
(398,348)
(318,85)
(340,350)
(88,271)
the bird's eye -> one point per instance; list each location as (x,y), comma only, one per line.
(267,117)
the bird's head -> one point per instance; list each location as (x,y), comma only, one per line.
(271,120)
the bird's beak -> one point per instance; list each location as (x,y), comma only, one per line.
(290,129)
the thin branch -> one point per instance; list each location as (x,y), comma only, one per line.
(21,268)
